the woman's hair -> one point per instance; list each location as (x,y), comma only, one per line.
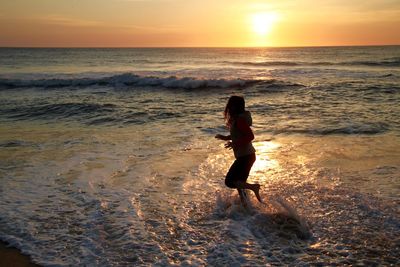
(234,107)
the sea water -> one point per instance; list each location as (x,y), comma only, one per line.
(108,156)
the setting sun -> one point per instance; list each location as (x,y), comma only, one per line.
(262,23)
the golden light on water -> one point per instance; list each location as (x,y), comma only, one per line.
(264,162)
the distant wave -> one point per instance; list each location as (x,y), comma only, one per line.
(15,143)
(88,113)
(264,63)
(58,110)
(129,79)
(392,62)
(362,129)
(387,75)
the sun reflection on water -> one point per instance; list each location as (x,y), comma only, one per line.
(264,161)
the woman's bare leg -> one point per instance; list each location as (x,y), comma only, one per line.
(242,196)
(253,187)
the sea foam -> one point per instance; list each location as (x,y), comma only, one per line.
(128,79)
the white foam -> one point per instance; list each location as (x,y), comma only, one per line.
(128,79)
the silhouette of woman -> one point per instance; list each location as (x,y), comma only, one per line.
(239,121)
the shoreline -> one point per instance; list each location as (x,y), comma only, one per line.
(10,256)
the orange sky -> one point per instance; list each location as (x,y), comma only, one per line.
(164,23)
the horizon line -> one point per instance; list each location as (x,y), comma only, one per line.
(172,47)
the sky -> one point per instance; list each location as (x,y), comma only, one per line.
(198,23)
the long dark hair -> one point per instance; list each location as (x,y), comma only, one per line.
(234,107)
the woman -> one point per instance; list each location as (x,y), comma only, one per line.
(239,121)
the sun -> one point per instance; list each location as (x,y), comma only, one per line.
(262,23)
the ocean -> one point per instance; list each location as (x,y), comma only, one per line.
(108,156)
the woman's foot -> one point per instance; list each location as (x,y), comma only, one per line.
(256,190)
(243,197)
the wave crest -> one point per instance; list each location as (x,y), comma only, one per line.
(390,62)
(129,79)
(360,128)
(59,110)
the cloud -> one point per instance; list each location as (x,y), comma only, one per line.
(154,29)
(144,1)
(66,21)
(59,20)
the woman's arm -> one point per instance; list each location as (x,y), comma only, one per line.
(223,137)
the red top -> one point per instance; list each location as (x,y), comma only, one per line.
(244,128)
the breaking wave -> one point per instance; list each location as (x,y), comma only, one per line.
(129,79)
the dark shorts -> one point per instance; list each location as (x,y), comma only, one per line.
(240,169)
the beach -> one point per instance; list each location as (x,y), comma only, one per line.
(108,156)
(12,257)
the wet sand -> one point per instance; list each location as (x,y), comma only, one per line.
(12,257)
